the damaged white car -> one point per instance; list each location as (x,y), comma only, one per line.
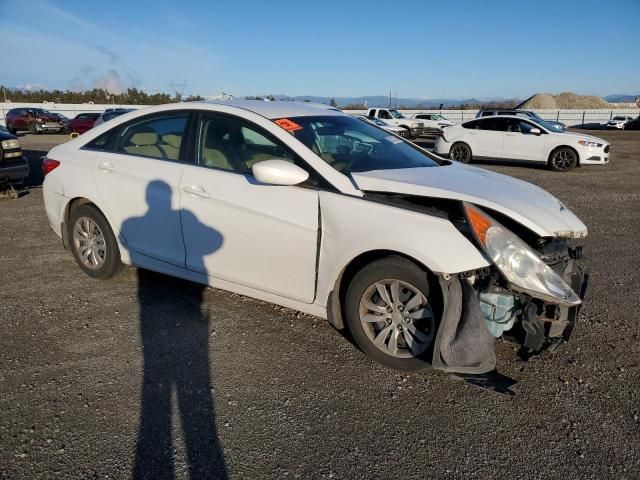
(425,261)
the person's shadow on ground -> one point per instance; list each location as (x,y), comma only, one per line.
(175,339)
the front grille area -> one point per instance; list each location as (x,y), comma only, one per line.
(606,149)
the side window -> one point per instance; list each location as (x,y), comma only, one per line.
(372,112)
(384,114)
(486,114)
(102,142)
(235,145)
(157,136)
(524,127)
(472,124)
(500,124)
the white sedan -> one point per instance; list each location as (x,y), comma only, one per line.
(517,138)
(618,122)
(424,260)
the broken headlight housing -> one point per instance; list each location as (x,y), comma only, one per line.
(518,262)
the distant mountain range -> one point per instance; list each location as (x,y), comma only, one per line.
(383,101)
(621,98)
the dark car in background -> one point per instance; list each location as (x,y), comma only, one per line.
(34,120)
(557,126)
(633,124)
(83,122)
(63,119)
(14,167)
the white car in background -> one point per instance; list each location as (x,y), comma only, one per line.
(618,122)
(432,121)
(389,128)
(424,260)
(518,138)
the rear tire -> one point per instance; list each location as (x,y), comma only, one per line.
(389,313)
(92,243)
(460,152)
(563,159)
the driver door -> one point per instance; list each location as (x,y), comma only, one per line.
(520,144)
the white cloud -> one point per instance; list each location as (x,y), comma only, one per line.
(111,82)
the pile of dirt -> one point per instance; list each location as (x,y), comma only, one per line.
(562,101)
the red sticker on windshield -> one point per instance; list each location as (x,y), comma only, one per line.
(288,125)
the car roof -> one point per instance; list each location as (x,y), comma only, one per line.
(477,119)
(278,109)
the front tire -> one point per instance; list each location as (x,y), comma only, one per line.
(460,152)
(563,159)
(92,243)
(389,313)
(33,129)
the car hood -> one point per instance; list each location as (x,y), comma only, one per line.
(580,136)
(525,203)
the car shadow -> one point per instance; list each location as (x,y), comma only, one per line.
(175,334)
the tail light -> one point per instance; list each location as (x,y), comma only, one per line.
(49,164)
(441,134)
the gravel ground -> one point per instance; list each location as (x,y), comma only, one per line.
(238,388)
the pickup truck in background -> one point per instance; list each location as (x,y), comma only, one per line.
(391,116)
(433,122)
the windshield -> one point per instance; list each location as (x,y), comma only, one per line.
(548,126)
(619,118)
(396,114)
(349,145)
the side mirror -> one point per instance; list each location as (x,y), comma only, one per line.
(535,131)
(279,172)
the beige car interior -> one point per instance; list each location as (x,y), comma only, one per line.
(225,146)
(149,144)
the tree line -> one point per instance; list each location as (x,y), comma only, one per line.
(132,96)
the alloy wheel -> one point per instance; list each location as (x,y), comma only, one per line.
(89,242)
(460,153)
(564,159)
(397,318)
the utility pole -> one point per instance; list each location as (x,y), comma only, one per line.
(179,89)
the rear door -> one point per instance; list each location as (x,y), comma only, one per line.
(138,180)
(241,231)
(520,143)
(486,137)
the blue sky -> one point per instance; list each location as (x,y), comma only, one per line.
(425,49)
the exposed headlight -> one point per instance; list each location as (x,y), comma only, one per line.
(416,125)
(9,144)
(588,143)
(519,263)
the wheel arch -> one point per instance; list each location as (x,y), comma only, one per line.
(66,214)
(555,149)
(335,301)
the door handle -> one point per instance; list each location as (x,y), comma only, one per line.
(511,134)
(106,167)
(196,190)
